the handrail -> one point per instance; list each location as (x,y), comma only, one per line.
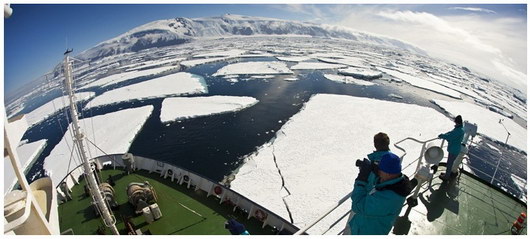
(332,208)
(20,220)
(415,140)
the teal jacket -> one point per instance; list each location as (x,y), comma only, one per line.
(454,139)
(377,205)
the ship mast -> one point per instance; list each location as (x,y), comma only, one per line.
(108,217)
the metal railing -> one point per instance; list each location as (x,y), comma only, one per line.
(192,181)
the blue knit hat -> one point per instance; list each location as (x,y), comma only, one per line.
(390,163)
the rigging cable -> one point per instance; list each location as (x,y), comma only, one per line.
(60,125)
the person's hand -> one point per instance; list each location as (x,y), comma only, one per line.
(364,170)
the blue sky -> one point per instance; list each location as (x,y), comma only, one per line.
(36,35)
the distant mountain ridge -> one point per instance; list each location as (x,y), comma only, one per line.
(181,30)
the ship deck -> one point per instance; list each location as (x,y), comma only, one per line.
(78,215)
(462,206)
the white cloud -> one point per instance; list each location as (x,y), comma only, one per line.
(314,12)
(473,9)
(494,47)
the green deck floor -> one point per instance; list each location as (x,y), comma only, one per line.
(176,220)
(463,206)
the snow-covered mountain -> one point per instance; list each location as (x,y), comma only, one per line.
(181,30)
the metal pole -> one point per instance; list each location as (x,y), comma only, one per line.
(78,140)
(13,157)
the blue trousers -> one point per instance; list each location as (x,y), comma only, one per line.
(450,161)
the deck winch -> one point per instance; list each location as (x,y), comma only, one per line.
(141,195)
(108,193)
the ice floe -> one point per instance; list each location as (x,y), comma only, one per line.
(43,112)
(489,123)
(196,62)
(27,153)
(113,133)
(254,68)
(190,107)
(347,80)
(293,58)
(361,73)
(421,83)
(395,96)
(316,152)
(316,66)
(344,60)
(154,63)
(181,83)
(117,78)
(227,53)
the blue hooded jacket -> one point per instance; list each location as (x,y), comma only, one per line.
(377,205)
(454,139)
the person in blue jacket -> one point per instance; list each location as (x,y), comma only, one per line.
(454,139)
(236,228)
(377,201)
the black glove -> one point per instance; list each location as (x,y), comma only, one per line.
(364,170)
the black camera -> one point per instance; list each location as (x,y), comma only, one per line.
(359,163)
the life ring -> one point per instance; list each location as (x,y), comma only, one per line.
(169,172)
(218,190)
(260,215)
(186,178)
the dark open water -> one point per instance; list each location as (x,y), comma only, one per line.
(215,145)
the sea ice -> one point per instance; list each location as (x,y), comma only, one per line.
(347,80)
(345,60)
(254,68)
(43,112)
(196,62)
(117,78)
(113,133)
(190,107)
(488,122)
(317,148)
(227,53)
(293,58)
(315,66)
(361,73)
(27,153)
(154,63)
(396,96)
(181,83)
(421,83)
